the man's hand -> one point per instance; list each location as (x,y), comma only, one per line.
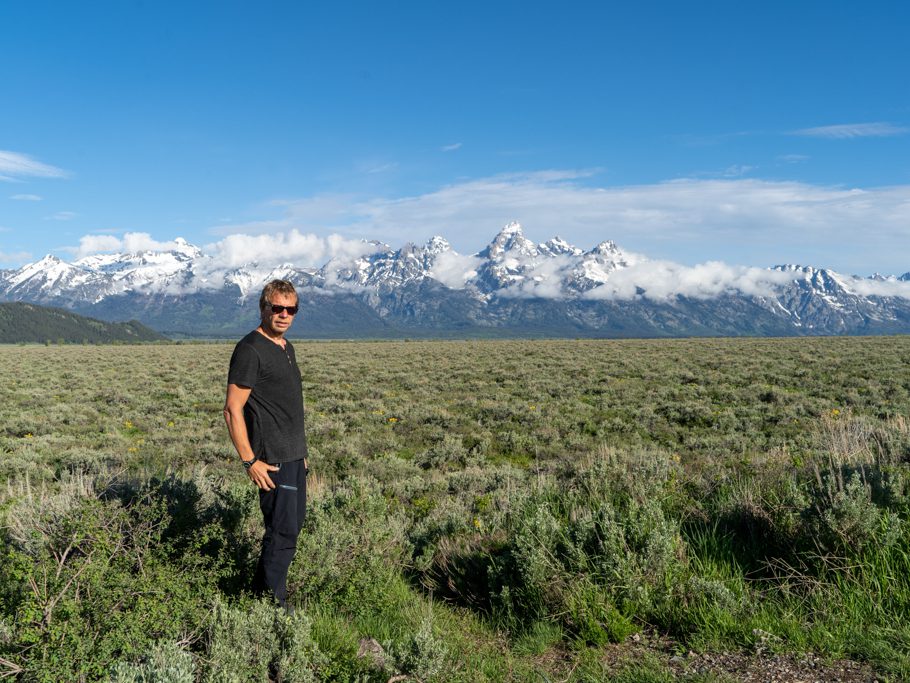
(259,474)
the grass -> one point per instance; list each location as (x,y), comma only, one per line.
(491,510)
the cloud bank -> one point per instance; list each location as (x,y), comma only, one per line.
(664,280)
(264,250)
(692,228)
(287,247)
(541,277)
(736,220)
(454,270)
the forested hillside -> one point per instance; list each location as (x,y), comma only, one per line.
(21,322)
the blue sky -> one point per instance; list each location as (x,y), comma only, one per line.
(753,133)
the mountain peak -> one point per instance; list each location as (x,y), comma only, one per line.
(606,247)
(510,239)
(184,249)
(560,247)
(437,245)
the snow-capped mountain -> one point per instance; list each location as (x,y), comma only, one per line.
(512,286)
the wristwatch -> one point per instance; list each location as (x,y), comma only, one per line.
(247,464)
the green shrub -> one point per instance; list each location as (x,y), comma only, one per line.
(77,564)
(424,656)
(351,535)
(164,663)
(593,548)
(255,641)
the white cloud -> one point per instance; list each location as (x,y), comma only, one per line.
(130,243)
(450,148)
(14,166)
(662,280)
(745,221)
(853,130)
(543,280)
(454,270)
(26,197)
(90,245)
(884,288)
(135,242)
(61,216)
(14,257)
(657,280)
(344,249)
(265,249)
(739,220)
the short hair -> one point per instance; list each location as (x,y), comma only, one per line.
(275,287)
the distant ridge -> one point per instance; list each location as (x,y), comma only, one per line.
(23,322)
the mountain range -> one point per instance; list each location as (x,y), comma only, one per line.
(513,287)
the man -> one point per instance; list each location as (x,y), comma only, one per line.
(264,415)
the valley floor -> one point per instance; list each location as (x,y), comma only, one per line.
(640,510)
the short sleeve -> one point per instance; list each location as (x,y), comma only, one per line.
(244,368)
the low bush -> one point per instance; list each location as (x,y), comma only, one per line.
(255,641)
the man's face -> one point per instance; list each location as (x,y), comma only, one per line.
(276,324)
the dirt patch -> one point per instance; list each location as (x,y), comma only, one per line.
(743,666)
(770,668)
(756,666)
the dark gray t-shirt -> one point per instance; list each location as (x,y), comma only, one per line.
(274,411)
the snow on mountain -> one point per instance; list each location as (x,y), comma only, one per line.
(49,277)
(250,279)
(558,247)
(509,269)
(819,298)
(595,267)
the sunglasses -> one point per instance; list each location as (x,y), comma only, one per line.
(292,310)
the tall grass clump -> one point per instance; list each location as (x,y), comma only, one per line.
(820,545)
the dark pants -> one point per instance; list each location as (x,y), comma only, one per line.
(283,511)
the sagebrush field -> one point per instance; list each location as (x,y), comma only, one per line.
(479,511)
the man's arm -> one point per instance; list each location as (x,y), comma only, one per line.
(237,396)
